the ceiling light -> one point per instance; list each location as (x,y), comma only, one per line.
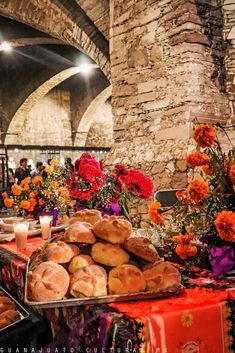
(85,68)
(5,46)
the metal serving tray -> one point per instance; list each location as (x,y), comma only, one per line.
(24,314)
(112,298)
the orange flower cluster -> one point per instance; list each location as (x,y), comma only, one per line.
(198,190)
(208,170)
(225,225)
(184,249)
(154,215)
(16,189)
(198,159)
(38,180)
(204,135)
(181,196)
(232,173)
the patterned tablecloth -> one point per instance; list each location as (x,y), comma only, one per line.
(199,320)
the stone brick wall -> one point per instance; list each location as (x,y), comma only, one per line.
(229,36)
(166,67)
(48,122)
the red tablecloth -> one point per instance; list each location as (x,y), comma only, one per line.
(200,320)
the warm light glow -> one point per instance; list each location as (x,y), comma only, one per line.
(5,46)
(45,222)
(85,68)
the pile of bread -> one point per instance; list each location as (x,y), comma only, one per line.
(8,312)
(95,257)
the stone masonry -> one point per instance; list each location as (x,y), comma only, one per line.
(167,68)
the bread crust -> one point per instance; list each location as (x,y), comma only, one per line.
(87,215)
(80,232)
(142,248)
(60,252)
(162,276)
(126,279)
(109,254)
(113,229)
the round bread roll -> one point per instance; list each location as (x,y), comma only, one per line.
(80,232)
(162,276)
(86,215)
(60,252)
(6,304)
(8,317)
(113,229)
(80,261)
(126,279)
(109,254)
(142,248)
(48,281)
(89,281)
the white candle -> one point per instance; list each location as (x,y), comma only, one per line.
(21,234)
(45,222)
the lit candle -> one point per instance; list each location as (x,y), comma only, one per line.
(45,222)
(21,234)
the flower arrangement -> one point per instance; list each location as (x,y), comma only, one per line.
(109,191)
(35,195)
(205,210)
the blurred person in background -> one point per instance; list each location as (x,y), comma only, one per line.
(22,171)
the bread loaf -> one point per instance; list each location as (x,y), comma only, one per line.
(86,215)
(113,229)
(8,317)
(80,261)
(109,254)
(89,281)
(60,252)
(48,281)
(126,279)
(142,248)
(162,276)
(6,304)
(80,232)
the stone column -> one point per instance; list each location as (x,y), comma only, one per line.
(166,68)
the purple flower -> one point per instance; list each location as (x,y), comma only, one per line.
(222,259)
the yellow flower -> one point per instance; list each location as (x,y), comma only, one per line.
(143,333)
(228,340)
(45,192)
(49,169)
(63,191)
(54,163)
(187,319)
(54,184)
(226,311)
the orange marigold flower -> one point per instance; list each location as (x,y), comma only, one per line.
(232,173)
(49,169)
(184,251)
(183,238)
(25,204)
(180,194)
(41,202)
(225,225)
(63,191)
(8,202)
(197,159)
(4,195)
(16,189)
(54,163)
(31,208)
(208,170)
(25,181)
(38,180)
(198,190)
(153,212)
(45,192)
(26,187)
(32,201)
(204,135)
(32,195)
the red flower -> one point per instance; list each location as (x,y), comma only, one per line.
(139,183)
(86,159)
(91,174)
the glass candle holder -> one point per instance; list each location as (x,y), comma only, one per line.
(21,234)
(46,222)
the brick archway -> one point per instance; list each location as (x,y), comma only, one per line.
(18,120)
(91,117)
(58,21)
